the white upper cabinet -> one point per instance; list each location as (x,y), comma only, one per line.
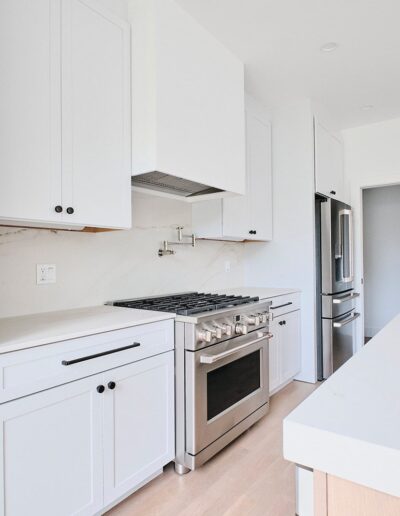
(30,110)
(245,217)
(96,157)
(65,115)
(329,163)
(188,99)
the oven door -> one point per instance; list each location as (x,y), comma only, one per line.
(225,383)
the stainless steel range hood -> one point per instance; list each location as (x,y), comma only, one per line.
(159,182)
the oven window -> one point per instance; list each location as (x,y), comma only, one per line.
(230,383)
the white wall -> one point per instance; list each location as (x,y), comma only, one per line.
(96,267)
(381,216)
(289,259)
(372,158)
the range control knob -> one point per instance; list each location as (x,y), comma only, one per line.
(252,320)
(241,329)
(216,332)
(263,317)
(227,330)
(205,336)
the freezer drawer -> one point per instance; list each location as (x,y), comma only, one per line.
(337,341)
(338,304)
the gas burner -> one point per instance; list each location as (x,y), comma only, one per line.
(187,304)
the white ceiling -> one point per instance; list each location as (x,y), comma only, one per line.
(279,41)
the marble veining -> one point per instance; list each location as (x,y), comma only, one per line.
(96,267)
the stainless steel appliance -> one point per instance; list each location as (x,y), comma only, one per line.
(222,363)
(335,276)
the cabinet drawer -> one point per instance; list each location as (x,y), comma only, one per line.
(285,304)
(31,370)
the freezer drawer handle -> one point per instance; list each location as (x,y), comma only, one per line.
(281,306)
(340,300)
(89,357)
(211,359)
(346,321)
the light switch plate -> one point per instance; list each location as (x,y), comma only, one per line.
(45,273)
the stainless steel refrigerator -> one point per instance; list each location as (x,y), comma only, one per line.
(335,277)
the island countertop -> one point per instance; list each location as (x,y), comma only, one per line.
(350,426)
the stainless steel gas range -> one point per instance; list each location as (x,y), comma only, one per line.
(222,382)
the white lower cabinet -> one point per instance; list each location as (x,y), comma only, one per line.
(52,452)
(284,350)
(138,423)
(79,448)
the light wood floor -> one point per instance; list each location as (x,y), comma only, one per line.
(248,478)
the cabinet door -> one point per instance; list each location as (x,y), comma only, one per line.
(96,116)
(274,351)
(250,217)
(30,120)
(259,176)
(51,452)
(290,345)
(329,171)
(139,423)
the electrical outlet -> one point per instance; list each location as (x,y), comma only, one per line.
(227,266)
(45,273)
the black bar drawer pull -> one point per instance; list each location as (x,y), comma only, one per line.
(280,306)
(89,357)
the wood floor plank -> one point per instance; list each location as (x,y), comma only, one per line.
(249,477)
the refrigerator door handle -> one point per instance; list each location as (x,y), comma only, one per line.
(349,214)
(350,319)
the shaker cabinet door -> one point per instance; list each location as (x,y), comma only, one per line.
(329,165)
(30,111)
(290,345)
(139,423)
(51,452)
(259,178)
(96,116)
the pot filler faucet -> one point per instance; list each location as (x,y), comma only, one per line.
(166,251)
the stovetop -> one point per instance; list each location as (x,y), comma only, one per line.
(189,303)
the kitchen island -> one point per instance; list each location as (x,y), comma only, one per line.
(348,433)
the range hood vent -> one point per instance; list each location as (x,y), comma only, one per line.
(173,185)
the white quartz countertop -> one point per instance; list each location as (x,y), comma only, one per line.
(262,293)
(350,426)
(38,329)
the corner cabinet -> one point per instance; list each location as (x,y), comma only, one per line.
(329,163)
(247,217)
(65,151)
(285,345)
(80,447)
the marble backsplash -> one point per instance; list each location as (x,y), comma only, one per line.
(96,267)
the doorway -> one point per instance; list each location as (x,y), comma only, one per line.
(381,249)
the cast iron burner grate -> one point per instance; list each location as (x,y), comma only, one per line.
(187,304)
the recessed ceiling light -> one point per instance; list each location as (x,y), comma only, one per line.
(367,107)
(329,47)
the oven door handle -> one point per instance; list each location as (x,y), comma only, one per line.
(211,359)
(350,319)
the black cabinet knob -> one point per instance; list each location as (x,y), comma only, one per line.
(58,209)
(70,210)
(333,192)
(111,385)
(252,232)
(100,389)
